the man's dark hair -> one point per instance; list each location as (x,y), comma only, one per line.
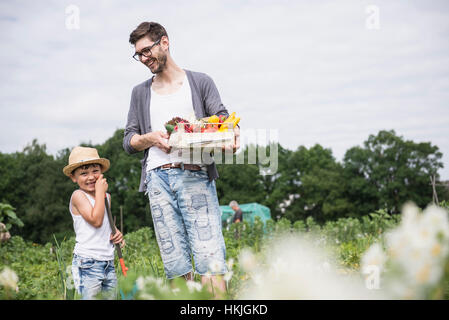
(153,30)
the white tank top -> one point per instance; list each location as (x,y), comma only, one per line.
(163,108)
(92,242)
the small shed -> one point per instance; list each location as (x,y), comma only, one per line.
(250,211)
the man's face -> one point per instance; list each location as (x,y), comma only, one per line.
(157,60)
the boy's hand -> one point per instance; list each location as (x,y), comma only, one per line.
(101,185)
(117,238)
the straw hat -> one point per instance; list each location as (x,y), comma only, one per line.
(81,156)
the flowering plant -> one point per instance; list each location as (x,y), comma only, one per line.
(415,261)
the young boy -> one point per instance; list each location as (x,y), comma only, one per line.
(93,256)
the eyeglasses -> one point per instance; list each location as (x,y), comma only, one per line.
(146,52)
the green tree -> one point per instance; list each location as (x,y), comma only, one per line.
(40,193)
(240,182)
(124,179)
(388,171)
(316,180)
(258,179)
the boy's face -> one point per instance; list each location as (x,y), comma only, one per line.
(86,176)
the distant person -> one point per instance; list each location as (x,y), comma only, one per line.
(238,214)
(93,256)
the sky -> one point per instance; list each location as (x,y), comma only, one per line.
(326,72)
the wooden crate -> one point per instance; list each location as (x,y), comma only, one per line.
(192,140)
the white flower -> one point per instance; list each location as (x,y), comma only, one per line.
(293,269)
(215,266)
(9,279)
(374,256)
(194,286)
(146,296)
(436,219)
(230,263)
(68,269)
(326,267)
(69,279)
(143,282)
(247,260)
(140,283)
(410,214)
(228,275)
(419,246)
(428,274)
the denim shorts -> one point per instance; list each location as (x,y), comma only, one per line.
(187,221)
(92,276)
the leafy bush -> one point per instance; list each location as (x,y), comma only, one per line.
(9,217)
(44,270)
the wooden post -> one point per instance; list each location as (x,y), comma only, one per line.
(435,195)
(121,219)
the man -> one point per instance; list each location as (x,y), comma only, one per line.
(182,196)
(238,217)
(238,214)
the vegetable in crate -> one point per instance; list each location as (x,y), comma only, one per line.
(231,119)
(212,124)
(171,125)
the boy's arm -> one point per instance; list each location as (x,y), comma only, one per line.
(93,215)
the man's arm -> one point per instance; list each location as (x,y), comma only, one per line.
(132,126)
(133,140)
(212,99)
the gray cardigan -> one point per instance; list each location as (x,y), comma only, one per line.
(206,102)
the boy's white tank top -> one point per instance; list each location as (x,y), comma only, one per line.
(92,242)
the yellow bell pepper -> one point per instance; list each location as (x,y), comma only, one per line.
(230,119)
(213,119)
(236,121)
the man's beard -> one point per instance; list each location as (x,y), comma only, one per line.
(160,61)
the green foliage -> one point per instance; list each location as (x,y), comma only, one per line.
(318,179)
(35,266)
(9,217)
(67,289)
(444,204)
(44,270)
(309,182)
(39,191)
(389,171)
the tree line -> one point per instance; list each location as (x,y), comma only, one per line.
(384,173)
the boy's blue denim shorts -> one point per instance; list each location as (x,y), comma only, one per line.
(187,221)
(92,276)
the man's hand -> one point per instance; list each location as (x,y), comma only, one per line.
(155,138)
(236,145)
